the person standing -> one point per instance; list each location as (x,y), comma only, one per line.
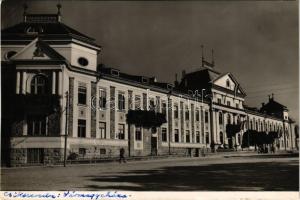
(122,155)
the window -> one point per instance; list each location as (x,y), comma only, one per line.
(197,137)
(237,105)
(164,134)
(39,85)
(151,105)
(187,113)
(228,103)
(35,155)
(102,151)
(121,102)
(176,111)
(219,101)
(206,117)
(36,125)
(202,138)
(102,130)
(121,131)
(228,83)
(83,61)
(221,138)
(164,108)
(239,139)
(138,133)
(220,118)
(207,138)
(187,136)
(176,135)
(82,152)
(251,125)
(228,119)
(81,128)
(102,99)
(137,102)
(197,115)
(82,94)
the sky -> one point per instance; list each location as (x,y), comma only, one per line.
(257,41)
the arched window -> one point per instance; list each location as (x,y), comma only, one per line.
(39,85)
(221,137)
(220,118)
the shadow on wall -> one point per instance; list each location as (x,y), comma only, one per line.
(271,176)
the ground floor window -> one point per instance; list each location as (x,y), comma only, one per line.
(221,138)
(81,128)
(176,135)
(82,152)
(207,138)
(35,155)
(138,133)
(121,131)
(102,130)
(164,134)
(36,125)
(187,136)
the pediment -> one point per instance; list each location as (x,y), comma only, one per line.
(229,82)
(37,50)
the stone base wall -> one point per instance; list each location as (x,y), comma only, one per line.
(19,157)
(97,152)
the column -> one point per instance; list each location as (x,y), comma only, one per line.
(24,77)
(60,83)
(53,82)
(18,83)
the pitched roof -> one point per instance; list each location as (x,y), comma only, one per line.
(48,30)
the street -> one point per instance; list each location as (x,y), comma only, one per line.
(247,173)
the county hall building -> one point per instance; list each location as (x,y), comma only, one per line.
(53,85)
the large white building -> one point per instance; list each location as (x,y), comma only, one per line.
(52,85)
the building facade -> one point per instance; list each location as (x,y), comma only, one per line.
(52,86)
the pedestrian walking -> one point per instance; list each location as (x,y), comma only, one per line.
(122,157)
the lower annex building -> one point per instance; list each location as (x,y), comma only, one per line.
(52,85)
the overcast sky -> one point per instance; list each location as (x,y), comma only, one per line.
(257,41)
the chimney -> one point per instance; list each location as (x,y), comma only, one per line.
(183,74)
(272,96)
(212,58)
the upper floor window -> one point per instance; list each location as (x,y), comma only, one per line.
(36,125)
(121,101)
(220,118)
(206,117)
(83,61)
(102,99)
(228,83)
(151,105)
(228,103)
(187,113)
(82,94)
(39,85)
(219,101)
(102,130)
(228,119)
(164,108)
(176,111)
(137,102)
(197,115)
